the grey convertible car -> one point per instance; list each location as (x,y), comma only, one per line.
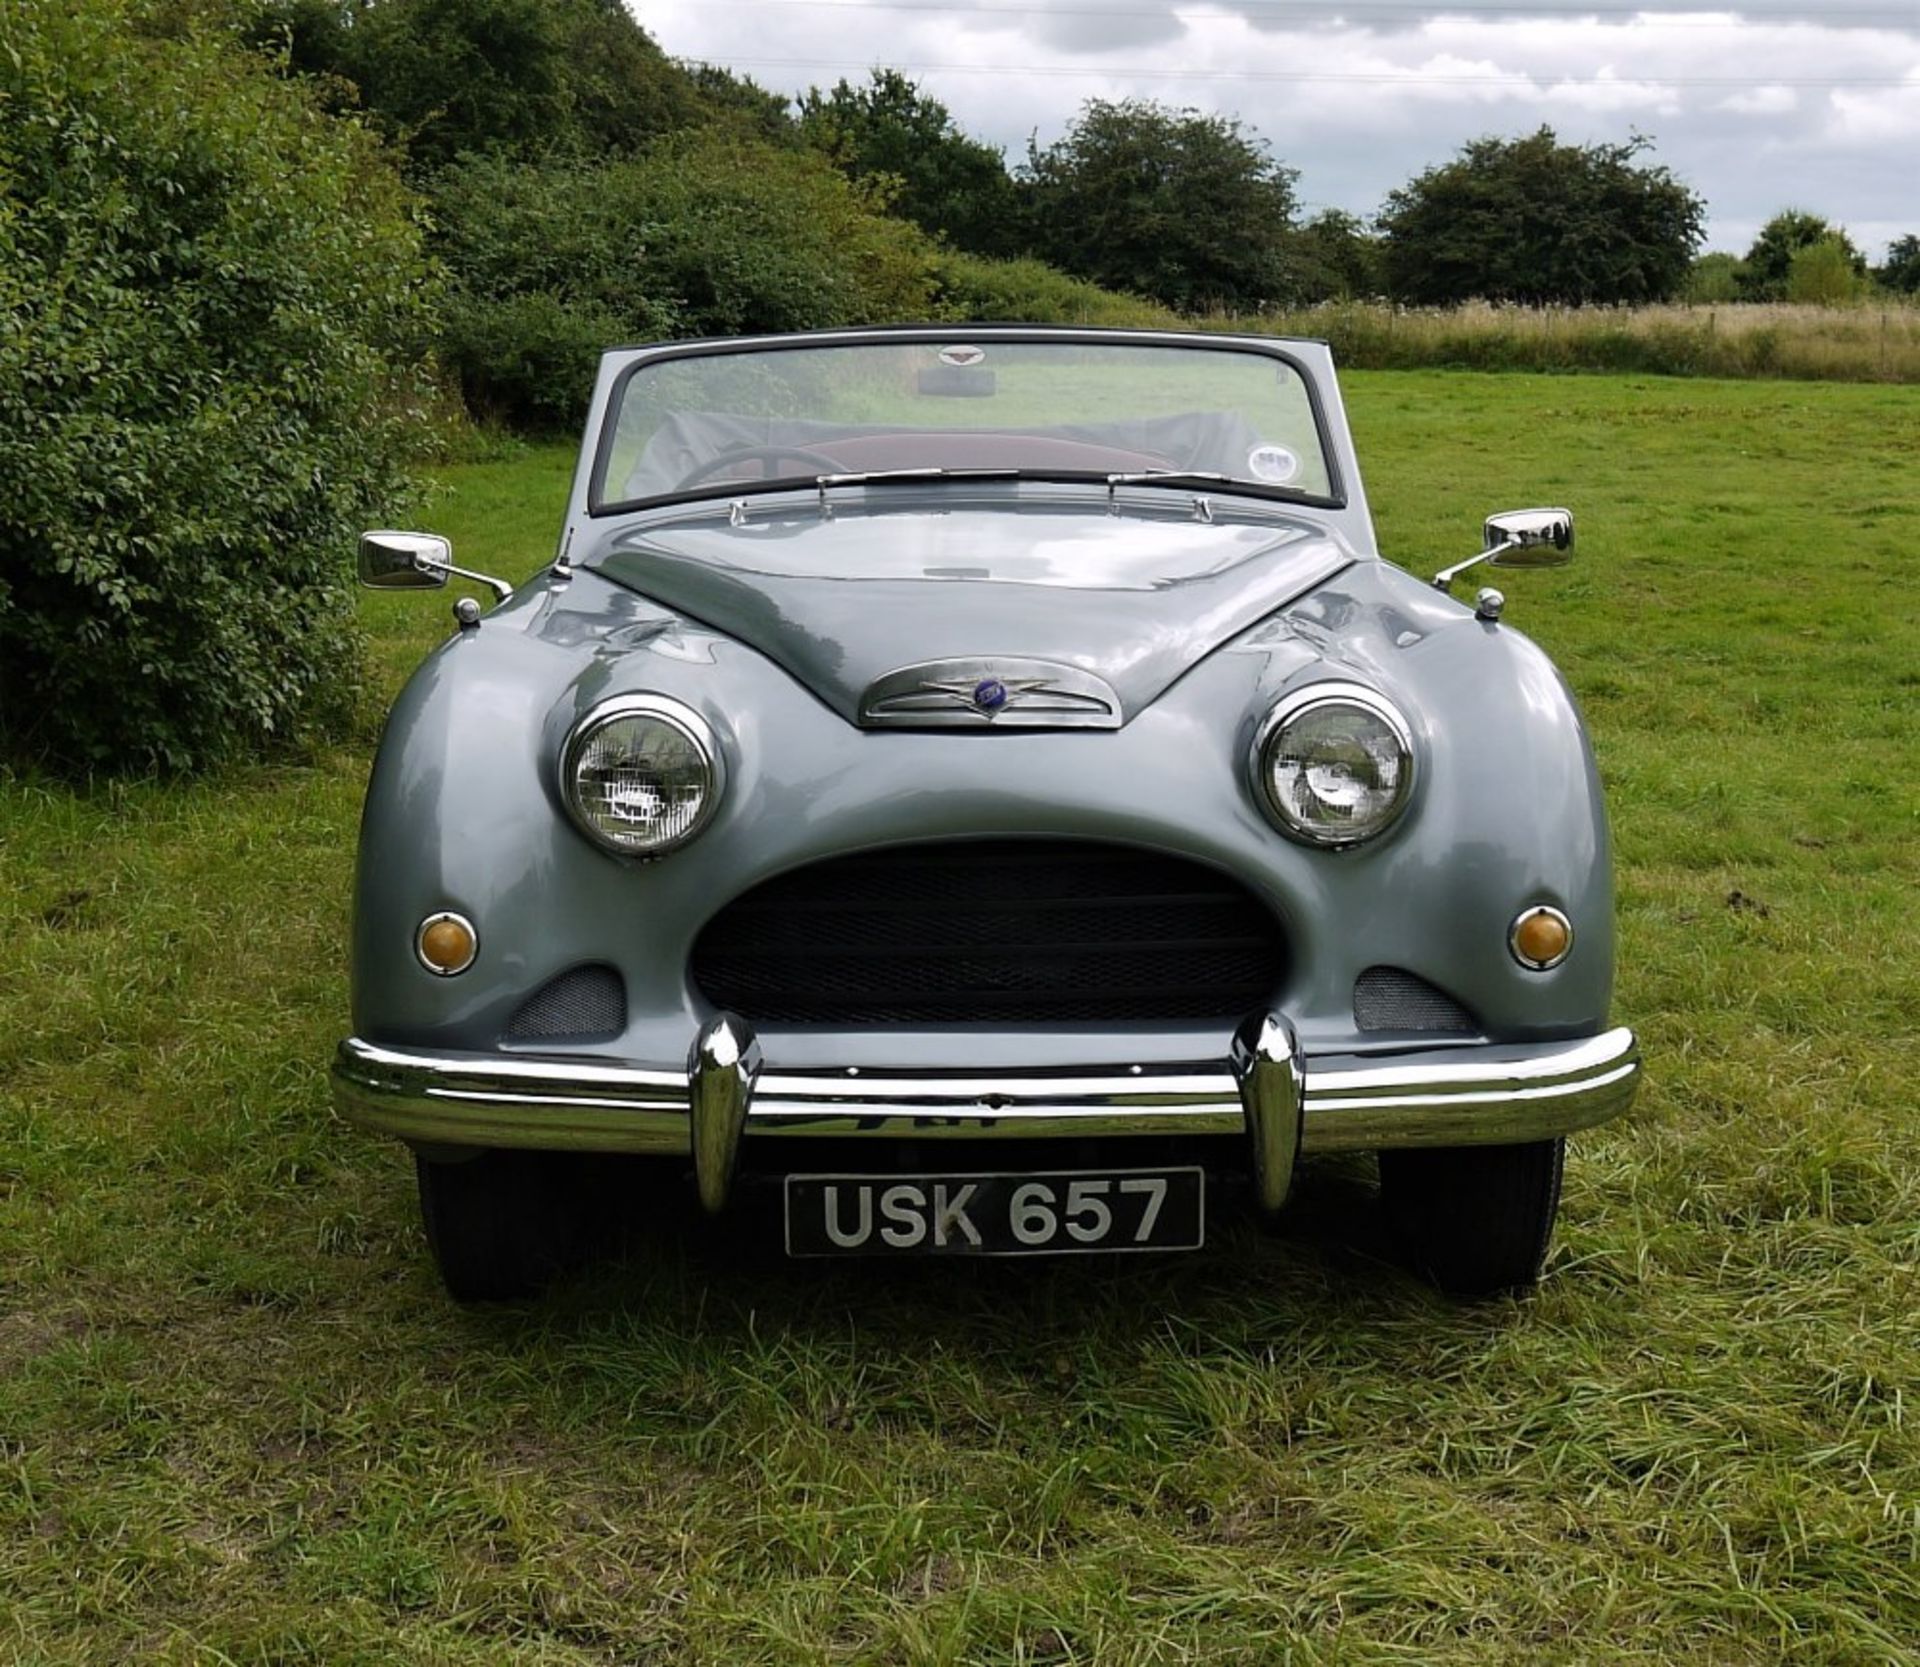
(980,791)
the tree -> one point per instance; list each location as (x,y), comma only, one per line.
(1532,220)
(743,102)
(1336,258)
(447,78)
(1901,273)
(1179,205)
(892,133)
(210,377)
(1768,270)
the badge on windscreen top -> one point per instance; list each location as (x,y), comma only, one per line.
(962,356)
(1273,463)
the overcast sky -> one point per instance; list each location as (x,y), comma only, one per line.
(1757,107)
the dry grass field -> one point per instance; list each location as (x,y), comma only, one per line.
(1876,341)
(240,1424)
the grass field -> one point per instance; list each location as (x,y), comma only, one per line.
(239,1423)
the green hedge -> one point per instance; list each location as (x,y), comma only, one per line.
(983,291)
(706,234)
(212,301)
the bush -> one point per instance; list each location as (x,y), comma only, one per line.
(544,273)
(1767,272)
(1716,279)
(212,298)
(745,237)
(978,291)
(1823,274)
(705,234)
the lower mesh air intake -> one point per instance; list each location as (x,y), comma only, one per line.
(588,1001)
(1388,998)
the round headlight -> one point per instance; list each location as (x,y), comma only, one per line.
(1334,764)
(640,774)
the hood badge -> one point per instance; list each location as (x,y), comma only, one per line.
(991,695)
(1001,692)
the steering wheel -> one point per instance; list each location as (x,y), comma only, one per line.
(766,454)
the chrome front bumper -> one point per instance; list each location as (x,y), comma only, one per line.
(1285,1102)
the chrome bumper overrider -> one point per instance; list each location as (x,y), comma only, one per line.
(1285,1102)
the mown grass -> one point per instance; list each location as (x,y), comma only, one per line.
(1870,341)
(239,1423)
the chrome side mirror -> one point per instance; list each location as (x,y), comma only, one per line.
(404,561)
(416,561)
(1519,538)
(1530,537)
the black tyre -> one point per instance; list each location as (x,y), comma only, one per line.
(500,1224)
(1476,1220)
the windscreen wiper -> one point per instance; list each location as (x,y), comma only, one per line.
(1205,477)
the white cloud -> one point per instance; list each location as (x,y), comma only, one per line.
(1606,94)
(1762,101)
(1878,117)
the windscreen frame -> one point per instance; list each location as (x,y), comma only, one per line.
(599,507)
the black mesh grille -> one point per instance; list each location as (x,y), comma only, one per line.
(588,1001)
(1387,998)
(994,931)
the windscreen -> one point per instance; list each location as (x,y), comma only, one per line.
(752,419)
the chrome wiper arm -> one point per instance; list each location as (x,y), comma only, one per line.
(934,472)
(870,477)
(1182,478)
(863,477)
(1171,477)
(1208,477)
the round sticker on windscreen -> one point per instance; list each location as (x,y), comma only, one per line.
(962,356)
(1274,463)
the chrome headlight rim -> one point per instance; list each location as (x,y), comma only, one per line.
(666,710)
(1309,698)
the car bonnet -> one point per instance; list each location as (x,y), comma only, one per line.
(1132,594)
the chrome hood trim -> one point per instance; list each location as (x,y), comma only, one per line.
(998,693)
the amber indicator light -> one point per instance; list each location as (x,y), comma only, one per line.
(447,944)
(1541,938)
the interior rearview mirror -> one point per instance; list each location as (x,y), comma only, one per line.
(956,382)
(404,561)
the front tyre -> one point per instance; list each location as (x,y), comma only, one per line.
(1476,1220)
(501,1224)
